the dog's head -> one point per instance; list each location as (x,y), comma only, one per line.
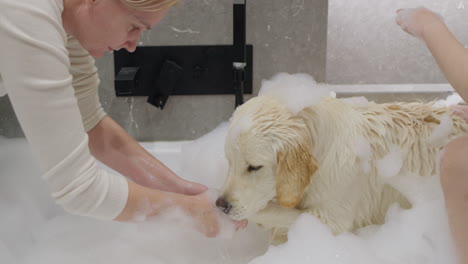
(270,155)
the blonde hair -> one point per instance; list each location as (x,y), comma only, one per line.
(150,5)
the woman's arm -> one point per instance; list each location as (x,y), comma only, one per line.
(111,145)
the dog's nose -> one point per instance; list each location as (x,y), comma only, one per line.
(223,205)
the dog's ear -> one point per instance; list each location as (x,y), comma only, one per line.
(296,164)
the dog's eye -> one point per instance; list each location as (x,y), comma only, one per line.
(254,168)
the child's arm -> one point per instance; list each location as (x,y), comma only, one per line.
(449,53)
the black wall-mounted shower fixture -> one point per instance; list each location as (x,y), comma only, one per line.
(162,71)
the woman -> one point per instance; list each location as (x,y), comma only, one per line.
(452,58)
(47,69)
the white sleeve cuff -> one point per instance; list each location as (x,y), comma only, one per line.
(81,187)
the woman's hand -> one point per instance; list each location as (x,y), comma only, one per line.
(207,216)
(145,203)
(154,186)
(180,185)
(415,20)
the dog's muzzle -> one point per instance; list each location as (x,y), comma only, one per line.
(223,205)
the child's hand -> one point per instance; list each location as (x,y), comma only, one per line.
(415,20)
(461,111)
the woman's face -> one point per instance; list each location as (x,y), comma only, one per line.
(112,25)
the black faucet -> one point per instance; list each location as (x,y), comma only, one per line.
(239,63)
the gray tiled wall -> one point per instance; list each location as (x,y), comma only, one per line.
(9,125)
(364,46)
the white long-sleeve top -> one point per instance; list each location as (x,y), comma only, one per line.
(52,84)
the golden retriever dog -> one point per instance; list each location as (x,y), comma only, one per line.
(282,164)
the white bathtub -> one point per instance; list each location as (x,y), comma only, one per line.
(34,230)
(170,153)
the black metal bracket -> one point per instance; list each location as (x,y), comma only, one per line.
(162,71)
(159,72)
